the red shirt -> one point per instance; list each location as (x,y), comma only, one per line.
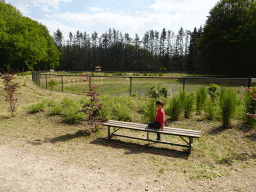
(160,117)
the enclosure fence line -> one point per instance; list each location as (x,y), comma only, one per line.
(40,79)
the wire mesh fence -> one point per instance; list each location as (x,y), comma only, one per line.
(135,85)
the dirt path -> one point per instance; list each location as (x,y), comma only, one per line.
(23,171)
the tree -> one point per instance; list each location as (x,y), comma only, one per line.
(58,38)
(24,43)
(227,44)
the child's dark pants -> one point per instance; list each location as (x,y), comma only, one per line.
(155,125)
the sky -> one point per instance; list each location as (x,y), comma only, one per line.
(126,16)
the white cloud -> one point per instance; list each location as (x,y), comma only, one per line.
(168,14)
(52,26)
(24,5)
(54,3)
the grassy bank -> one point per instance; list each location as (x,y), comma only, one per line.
(46,125)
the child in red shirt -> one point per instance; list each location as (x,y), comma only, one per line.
(158,123)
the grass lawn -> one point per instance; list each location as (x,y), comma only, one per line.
(45,125)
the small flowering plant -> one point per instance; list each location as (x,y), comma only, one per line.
(92,109)
(10,89)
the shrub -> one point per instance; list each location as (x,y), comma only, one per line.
(156,92)
(228,103)
(176,107)
(212,90)
(136,74)
(51,83)
(56,110)
(92,109)
(209,111)
(150,109)
(201,97)
(36,108)
(250,105)
(189,104)
(10,89)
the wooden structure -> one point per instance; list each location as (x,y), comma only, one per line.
(97,68)
(190,134)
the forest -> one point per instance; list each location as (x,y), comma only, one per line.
(225,45)
(114,51)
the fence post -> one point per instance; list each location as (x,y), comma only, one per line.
(62,82)
(130,86)
(46,81)
(184,79)
(90,81)
(39,79)
(249,82)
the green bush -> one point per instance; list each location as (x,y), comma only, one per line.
(56,110)
(150,110)
(51,83)
(117,107)
(35,108)
(119,74)
(136,74)
(212,90)
(201,97)
(209,110)
(189,104)
(228,103)
(156,92)
(176,107)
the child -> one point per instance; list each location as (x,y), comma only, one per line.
(158,123)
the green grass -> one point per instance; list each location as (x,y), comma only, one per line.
(214,154)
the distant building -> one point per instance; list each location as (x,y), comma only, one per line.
(98,68)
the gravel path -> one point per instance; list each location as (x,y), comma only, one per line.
(27,172)
(23,171)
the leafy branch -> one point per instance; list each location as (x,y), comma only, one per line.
(92,109)
(10,89)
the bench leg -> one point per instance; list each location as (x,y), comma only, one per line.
(109,135)
(190,144)
(147,136)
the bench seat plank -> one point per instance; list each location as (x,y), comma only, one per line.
(143,127)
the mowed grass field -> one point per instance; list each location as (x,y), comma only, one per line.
(44,125)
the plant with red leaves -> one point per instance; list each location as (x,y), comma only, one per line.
(250,101)
(10,89)
(92,109)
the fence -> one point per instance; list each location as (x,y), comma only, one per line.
(135,85)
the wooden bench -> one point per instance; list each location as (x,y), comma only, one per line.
(144,127)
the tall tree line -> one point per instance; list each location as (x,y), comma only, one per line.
(114,51)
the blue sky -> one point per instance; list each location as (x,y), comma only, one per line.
(126,16)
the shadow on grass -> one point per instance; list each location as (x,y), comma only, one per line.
(238,157)
(62,138)
(3,117)
(134,148)
(216,130)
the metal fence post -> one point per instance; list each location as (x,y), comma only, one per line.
(36,78)
(62,82)
(184,79)
(90,81)
(46,81)
(39,78)
(130,86)
(249,82)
